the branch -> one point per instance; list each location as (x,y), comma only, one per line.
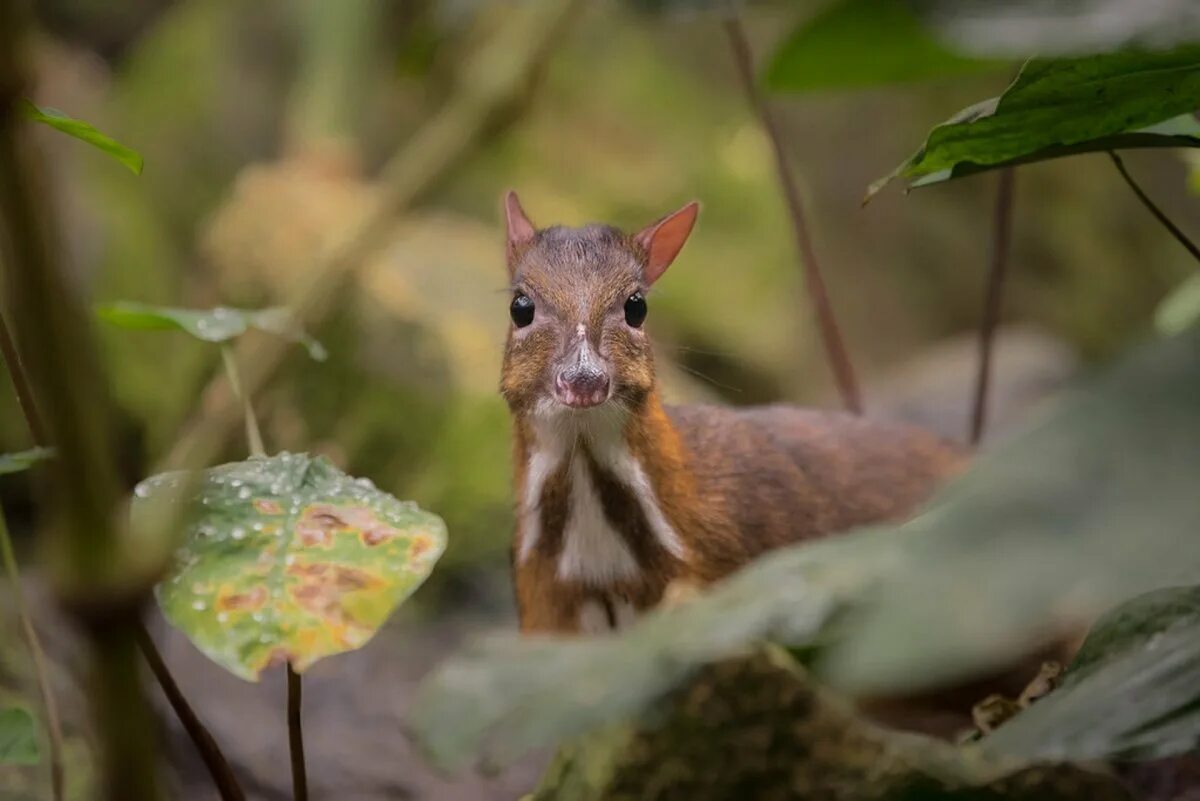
(1158,213)
(492,82)
(993,298)
(839,361)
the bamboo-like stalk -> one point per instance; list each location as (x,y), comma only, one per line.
(993,300)
(814,280)
(492,82)
(12,360)
(92,573)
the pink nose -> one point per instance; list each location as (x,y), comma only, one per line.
(581,389)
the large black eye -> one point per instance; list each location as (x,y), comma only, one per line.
(521,310)
(635,310)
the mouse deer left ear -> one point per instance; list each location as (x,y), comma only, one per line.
(520,230)
(663,240)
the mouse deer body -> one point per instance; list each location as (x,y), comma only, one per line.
(619,495)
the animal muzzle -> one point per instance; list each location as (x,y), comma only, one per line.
(583,381)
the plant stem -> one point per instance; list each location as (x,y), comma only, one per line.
(218,767)
(100,581)
(253,435)
(296,736)
(49,702)
(835,348)
(1158,213)
(21,385)
(993,298)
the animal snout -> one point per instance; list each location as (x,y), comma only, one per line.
(581,388)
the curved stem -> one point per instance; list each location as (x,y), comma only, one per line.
(1158,213)
(839,361)
(49,702)
(296,736)
(218,767)
(21,385)
(253,434)
(993,298)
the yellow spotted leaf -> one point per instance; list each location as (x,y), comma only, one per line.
(288,559)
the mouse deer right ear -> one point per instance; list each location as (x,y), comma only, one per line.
(520,229)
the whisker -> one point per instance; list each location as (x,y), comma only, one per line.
(709,379)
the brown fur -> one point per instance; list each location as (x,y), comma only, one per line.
(731,483)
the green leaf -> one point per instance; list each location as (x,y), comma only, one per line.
(219,324)
(287,558)
(1133,691)
(1063,107)
(18,737)
(81,130)
(863,43)
(506,696)
(1179,310)
(1093,504)
(23,460)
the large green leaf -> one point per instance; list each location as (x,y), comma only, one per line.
(218,324)
(1060,27)
(84,132)
(18,737)
(1095,503)
(23,460)
(1062,107)
(862,43)
(287,558)
(505,696)
(1133,691)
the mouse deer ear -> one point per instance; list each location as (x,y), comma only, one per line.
(663,240)
(520,229)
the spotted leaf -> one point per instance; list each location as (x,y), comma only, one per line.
(288,559)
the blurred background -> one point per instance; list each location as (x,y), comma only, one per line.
(266,128)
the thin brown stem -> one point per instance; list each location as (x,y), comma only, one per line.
(1158,213)
(21,385)
(993,299)
(49,702)
(296,736)
(218,767)
(839,361)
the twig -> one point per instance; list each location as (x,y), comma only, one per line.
(1158,213)
(253,436)
(492,82)
(993,298)
(210,752)
(49,702)
(839,361)
(21,385)
(296,736)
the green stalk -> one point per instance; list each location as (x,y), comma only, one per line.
(253,434)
